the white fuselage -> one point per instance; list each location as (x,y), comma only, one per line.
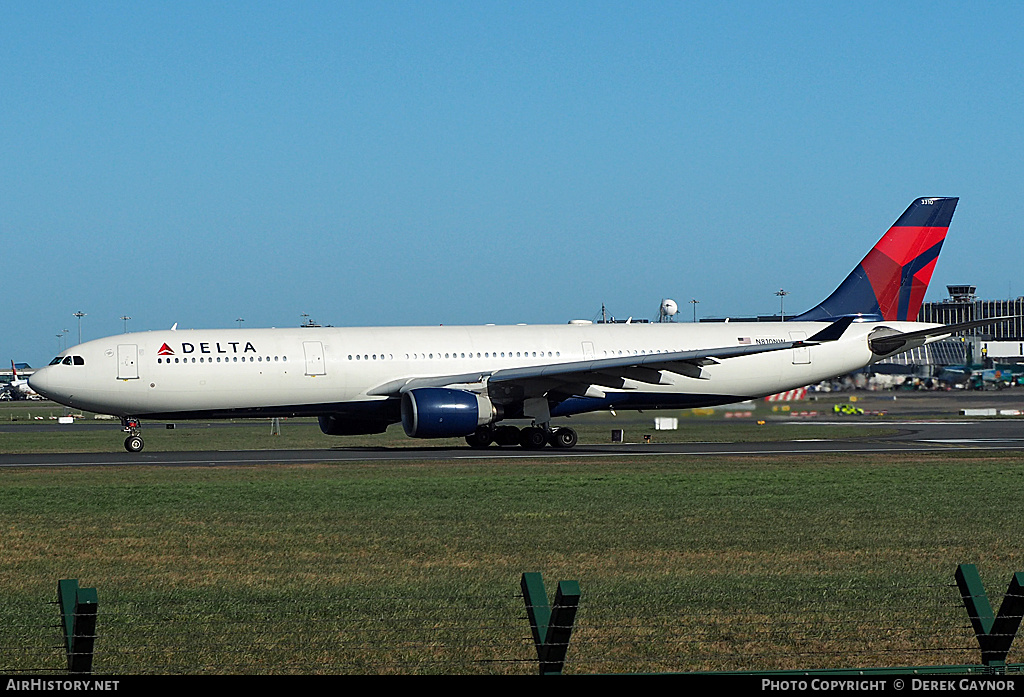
(249,372)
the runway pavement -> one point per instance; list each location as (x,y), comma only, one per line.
(913,436)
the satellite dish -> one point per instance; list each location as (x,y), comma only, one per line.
(668,310)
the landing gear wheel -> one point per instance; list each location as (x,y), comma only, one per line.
(506,435)
(533,438)
(563,438)
(130,425)
(481,437)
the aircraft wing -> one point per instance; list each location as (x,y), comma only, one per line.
(647,368)
(578,376)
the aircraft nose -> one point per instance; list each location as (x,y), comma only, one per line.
(40,381)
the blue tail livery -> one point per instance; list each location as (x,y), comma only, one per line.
(890,283)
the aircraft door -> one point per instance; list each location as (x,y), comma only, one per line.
(314,351)
(127,362)
(801,356)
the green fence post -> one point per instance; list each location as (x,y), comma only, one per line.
(78,618)
(995,633)
(551,625)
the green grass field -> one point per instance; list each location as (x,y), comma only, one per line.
(685,563)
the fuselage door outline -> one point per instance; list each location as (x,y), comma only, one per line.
(314,352)
(127,362)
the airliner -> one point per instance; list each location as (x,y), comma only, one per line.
(17,388)
(471,381)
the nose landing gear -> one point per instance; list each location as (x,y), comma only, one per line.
(133,443)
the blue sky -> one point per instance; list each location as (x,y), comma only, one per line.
(463,163)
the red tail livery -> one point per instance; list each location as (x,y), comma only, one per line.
(890,283)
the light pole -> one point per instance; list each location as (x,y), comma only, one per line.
(79,315)
(782,302)
(694,302)
(125,318)
(239,320)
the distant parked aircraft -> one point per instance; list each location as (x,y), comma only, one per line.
(17,388)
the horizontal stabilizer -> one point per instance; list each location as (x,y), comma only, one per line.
(895,342)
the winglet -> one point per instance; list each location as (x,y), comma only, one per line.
(832,332)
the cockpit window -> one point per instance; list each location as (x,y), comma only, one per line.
(67,360)
(56,360)
(78,360)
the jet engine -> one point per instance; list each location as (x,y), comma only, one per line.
(437,412)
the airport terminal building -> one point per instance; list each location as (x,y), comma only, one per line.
(1002,342)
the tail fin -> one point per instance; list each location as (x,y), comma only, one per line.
(890,283)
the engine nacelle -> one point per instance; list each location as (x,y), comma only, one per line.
(437,412)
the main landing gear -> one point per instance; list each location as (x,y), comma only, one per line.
(529,438)
(133,443)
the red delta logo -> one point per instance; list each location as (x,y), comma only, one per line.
(165,350)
